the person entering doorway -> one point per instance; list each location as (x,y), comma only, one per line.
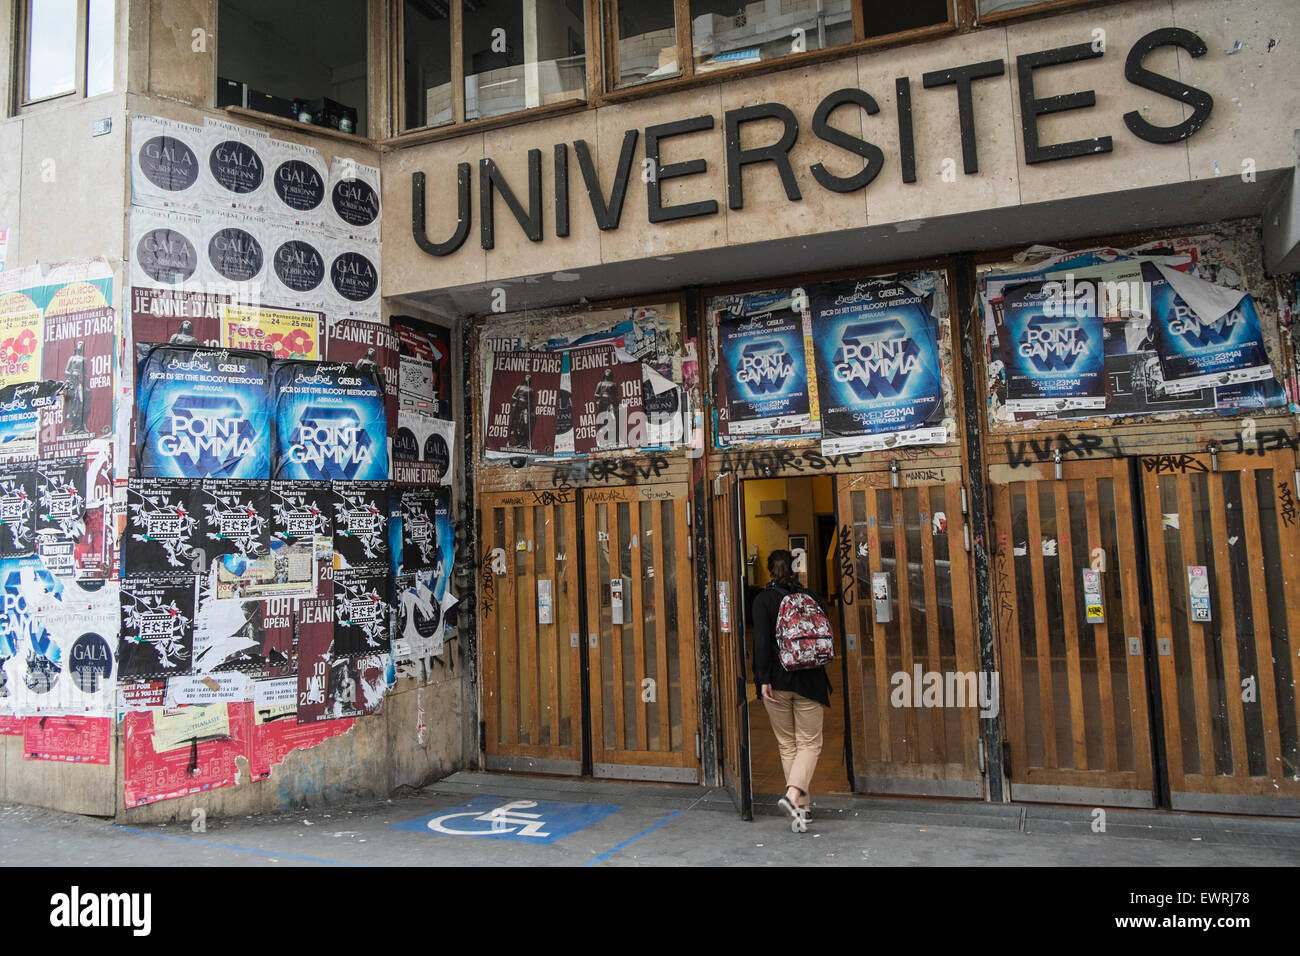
(793,699)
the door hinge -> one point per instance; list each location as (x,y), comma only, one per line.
(965,535)
(697,745)
(688,514)
(983,767)
(965,506)
(690,550)
(482,736)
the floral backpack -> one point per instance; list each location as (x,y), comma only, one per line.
(803,633)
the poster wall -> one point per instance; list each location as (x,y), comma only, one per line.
(1053,348)
(523,401)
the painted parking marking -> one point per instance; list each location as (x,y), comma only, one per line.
(519,821)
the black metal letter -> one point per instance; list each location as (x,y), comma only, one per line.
(607,214)
(906,138)
(1032,108)
(463,211)
(963,76)
(490,178)
(1200,101)
(655,208)
(854,144)
(561,190)
(777,153)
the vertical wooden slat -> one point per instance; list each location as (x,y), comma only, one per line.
(1070,622)
(1046,694)
(491,670)
(1198,633)
(615,648)
(509,689)
(856,621)
(595,58)
(879,632)
(1135,665)
(554,643)
(682,21)
(1160,591)
(686,635)
(596,684)
(963,626)
(1228,624)
(1263,633)
(529,644)
(640,711)
(1008,622)
(1101,632)
(457,62)
(901,577)
(1288,535)
(573,712)
(662,690)
(938,715)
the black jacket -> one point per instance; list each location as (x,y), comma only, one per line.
(812,683)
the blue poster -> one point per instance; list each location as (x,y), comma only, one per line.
(1206,335)
(330,423)
(1053,349)
(203,413)
(878,375)
(765,375)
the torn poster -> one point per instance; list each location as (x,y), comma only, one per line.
(425,366)
(203,414)
(1206,335)
(420,620)
(68,637)
(162,527)
(360,522)
(21,407)
(276,731)
(278,650)
(227,631)
(420,526)
(60,512)
(140,695)
(157,636)
(165,316)
(95,552)
(176,726)
(207,689)
(149,776)
(287,571)
(371,348)
(68,738)
(523,397)
(361,612)
(10,726)
(18,509)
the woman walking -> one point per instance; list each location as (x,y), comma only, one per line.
(793,699)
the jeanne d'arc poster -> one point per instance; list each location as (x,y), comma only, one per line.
(606,399)
(523,400)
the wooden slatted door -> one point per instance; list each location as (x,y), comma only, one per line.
(641,633)
(1224,545)
(729,626)
(907,739)
(1075,679)
(529,622)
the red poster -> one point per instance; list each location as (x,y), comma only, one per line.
(177,318)
(71,739)
(137,696)
(523,402)
(208,765)
(315,636)
(11,726)
(372,348)
(606,397)
(277,637)
(272,742)
(78,351)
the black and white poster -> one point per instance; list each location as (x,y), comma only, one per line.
(361,612)
(157,638)
(162,527)
(361,523)
(60,512)
(303,511)
(420,526)
(228,631)
(235,518)
(18,509)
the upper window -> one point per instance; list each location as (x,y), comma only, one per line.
(647,41)
(68,48)
(731,32)
(426,63)
(519,54)
(297,59)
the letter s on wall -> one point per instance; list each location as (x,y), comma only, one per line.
(1202,103)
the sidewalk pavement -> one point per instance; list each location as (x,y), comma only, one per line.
(464,820)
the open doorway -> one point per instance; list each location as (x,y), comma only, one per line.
(794,514)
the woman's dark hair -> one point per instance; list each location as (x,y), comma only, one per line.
(778,554)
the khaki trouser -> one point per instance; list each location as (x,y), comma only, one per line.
(797,723)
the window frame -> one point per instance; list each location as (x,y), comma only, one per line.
(22,102)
